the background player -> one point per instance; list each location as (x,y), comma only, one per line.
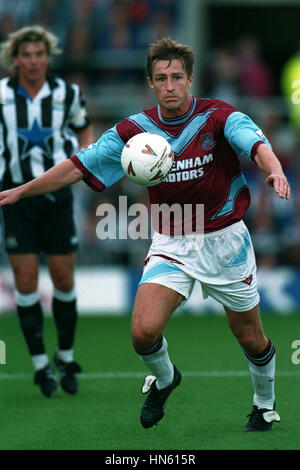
(225,265)
(41,120)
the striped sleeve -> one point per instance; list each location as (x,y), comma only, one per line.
(79,118)
(2,161)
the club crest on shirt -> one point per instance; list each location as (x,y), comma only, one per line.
(11,242)
(208,142)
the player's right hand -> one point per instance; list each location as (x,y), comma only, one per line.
(10,196)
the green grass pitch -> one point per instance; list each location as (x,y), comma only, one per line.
(207,411)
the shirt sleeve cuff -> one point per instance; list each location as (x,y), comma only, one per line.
(88,177)
(254,148)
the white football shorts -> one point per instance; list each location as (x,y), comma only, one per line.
(223,262)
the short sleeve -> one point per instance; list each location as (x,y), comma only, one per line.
(243,134)
(101,161)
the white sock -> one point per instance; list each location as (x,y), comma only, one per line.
(263,383)
(66,355)
(160,365)
(65,296)
(26,300)
(40,361)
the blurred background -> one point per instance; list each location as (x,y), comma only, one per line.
(247,53)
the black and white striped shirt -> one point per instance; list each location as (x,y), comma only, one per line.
(38,133)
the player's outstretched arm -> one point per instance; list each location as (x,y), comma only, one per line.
(61,175)
(267,161)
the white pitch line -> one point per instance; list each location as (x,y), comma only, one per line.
(133,375)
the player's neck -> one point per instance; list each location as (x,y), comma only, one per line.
(32,86)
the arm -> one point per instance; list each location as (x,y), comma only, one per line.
(267,161)
(246,138)
(85,136)
(60,175)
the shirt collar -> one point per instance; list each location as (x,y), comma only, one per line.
(178,119)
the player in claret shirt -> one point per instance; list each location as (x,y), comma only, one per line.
(207,137)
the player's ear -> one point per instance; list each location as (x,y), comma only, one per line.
(190,80)
(150,82)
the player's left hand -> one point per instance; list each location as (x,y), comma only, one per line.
(280,185)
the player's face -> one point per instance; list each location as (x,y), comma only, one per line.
(32,62)
(171,86)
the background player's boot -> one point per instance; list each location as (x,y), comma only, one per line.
(153,409)
(261,419)
(46,380)
(67,371)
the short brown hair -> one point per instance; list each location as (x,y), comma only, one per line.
(10,48)
(170,49)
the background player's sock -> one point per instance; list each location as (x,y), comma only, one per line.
(262,371)
(65,316)
(65,355)
(158,361)
(40,361)
(31,320)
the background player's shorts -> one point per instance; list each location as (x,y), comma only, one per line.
(41,224)
(223,262)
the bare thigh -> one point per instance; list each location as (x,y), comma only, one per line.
(154,304)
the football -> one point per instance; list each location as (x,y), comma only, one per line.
(147,159)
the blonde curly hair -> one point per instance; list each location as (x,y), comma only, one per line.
(10,48)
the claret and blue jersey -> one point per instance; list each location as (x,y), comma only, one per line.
(207,141)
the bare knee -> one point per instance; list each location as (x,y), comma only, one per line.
(251,341)
(245,338)
(26,280)
(62,278)
(63,282)
(144,337)
(248,330)
(61,268)
(154,304)
(25,269)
